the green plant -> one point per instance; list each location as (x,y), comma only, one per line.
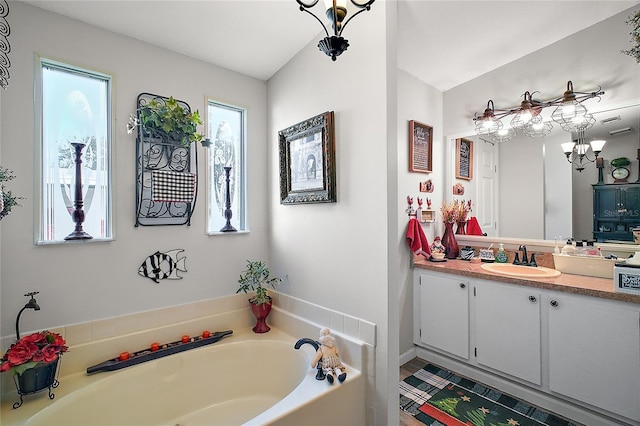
(634,22)
(620,162)
(255,278)
(169,117)
(8,199)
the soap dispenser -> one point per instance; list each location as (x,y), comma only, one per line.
(501,255)
(568,249)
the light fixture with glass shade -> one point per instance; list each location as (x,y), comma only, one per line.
(336,11)
(578,152)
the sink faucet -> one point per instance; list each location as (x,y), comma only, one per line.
(523,248)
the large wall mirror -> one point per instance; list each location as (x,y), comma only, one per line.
(526,188)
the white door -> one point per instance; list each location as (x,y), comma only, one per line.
(594,353)
(487,193)
(508,330)
(444,314)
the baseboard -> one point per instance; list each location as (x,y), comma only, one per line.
(407,356)
(533,396)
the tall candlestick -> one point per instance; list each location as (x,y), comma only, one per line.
(78,214)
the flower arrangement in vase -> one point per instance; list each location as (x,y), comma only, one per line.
(454,212)
(33,360)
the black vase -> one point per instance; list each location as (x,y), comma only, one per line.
(37,379)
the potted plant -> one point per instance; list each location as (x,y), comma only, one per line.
(168,118)
(33,361)
(256,278)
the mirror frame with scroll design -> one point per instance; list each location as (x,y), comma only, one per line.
(300,147)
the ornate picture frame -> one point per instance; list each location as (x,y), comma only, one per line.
(420,147)
(307,161)
(464,159)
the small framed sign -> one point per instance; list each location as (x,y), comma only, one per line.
(464,159)
(420,147)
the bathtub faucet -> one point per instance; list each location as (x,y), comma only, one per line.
(31,304)
(320,374)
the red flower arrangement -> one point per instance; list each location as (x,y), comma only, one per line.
(32,350)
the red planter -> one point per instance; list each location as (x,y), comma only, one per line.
(261,312)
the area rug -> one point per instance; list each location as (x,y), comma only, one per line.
(438,397)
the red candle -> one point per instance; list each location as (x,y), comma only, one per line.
(155,346)
(124,356)
(185,339)
(206,334)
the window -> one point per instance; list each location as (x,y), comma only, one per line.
(227,133)
(75,106)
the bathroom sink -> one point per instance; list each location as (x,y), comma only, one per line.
(520,271)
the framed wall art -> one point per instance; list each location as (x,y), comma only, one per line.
(464,159)
(420,147)
(307,161)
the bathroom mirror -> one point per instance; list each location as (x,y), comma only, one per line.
(536,192)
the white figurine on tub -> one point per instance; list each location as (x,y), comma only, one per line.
(329,355)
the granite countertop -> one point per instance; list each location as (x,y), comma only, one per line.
(576,284)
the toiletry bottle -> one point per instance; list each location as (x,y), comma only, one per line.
(501,255)
(590,249)
(568,249)
(580,251)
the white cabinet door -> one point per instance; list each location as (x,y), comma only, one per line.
(507,322)
(594,353)
(444,314)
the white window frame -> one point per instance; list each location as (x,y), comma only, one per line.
(242,212)
(39,219)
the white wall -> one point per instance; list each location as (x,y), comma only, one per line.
(421,102)
(336,254)
(79,282)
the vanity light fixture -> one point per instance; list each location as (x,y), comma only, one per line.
(527,118)
(577,152)
(336,11)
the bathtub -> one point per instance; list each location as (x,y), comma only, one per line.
(245,379)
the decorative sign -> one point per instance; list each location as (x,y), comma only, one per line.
(464,159)
(458,189)
(420,147)
(426,186)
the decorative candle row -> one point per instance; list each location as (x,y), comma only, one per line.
(156,346)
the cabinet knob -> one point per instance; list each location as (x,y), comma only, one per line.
(463,285)
(554,303)
(532,299)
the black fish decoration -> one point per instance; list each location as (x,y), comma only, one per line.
(163,266)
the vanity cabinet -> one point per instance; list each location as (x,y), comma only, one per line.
(507,324)
(576,348)
(594,353)
(616,210)
(444,313)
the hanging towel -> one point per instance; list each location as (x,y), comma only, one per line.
(473,227)
(416,240)
(172,186)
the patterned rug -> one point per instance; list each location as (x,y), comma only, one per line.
(438,397)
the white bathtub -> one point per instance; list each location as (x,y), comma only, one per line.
(243,379)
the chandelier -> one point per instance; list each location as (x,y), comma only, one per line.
(578,152)
(336,11)
(527,118)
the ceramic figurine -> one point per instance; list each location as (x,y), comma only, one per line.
(436,246)
(329,355)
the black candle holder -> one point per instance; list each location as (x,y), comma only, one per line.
(228,214)
(78,214)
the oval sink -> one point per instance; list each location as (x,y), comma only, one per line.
(520,271)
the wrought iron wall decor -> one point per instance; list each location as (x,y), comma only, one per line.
(163,266)
(166,173)
(5,47)
(308,161)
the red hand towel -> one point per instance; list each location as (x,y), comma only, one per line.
(416,240)
(473,227)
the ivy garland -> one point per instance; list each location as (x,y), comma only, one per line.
(634,22)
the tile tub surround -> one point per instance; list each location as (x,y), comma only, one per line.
(93,342)
(576,284)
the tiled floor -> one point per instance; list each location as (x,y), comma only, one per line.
(405,371)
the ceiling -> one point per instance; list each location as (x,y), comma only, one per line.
(443,43)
